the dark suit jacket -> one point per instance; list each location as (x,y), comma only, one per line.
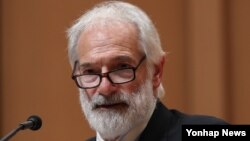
(165,124)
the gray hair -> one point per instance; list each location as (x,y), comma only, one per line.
(149,38)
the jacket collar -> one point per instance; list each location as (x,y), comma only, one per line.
(159,125)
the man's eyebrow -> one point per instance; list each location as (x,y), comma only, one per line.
(85,65)
(114,59)
(123,58)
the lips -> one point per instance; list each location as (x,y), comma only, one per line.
(112,106)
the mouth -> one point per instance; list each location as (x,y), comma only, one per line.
(113,106)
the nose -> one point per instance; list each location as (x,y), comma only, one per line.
(106,87)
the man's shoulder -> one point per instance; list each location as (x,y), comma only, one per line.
(168,123)
(185,118)
(177,117)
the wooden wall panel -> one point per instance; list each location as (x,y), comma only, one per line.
(205,57)
(239,42)
(206,70)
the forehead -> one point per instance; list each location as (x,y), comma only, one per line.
(106,39)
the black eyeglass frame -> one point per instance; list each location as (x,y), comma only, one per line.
(106,74)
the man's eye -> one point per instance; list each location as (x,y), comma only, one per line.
(124,65)
(89,71)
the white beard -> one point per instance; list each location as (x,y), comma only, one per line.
(117,122)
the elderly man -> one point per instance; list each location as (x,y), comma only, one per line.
(117,62)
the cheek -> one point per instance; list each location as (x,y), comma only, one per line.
(90,93)
(141,77)
(135,84)
(129,88)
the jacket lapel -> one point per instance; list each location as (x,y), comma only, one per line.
(159,124)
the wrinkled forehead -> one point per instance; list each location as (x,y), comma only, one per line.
(102,35)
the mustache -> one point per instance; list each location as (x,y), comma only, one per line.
(99,100)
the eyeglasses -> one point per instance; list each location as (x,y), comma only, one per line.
(117,76)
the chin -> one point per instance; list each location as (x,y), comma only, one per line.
(117,115)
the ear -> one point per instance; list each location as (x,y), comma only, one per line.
(158,71)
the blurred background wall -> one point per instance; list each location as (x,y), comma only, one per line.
(207,68)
